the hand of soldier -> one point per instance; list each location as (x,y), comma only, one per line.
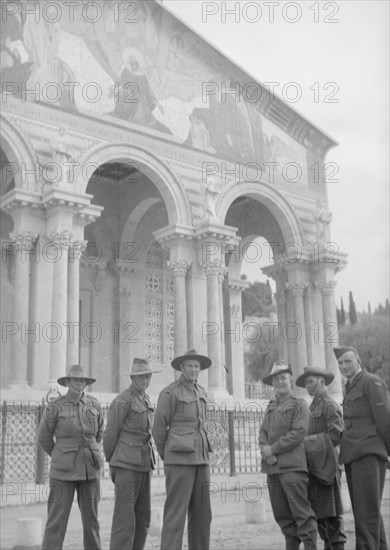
(266,451)
(271,460)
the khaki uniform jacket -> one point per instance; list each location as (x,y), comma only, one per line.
(366,410)
(127,437)
(69,432)
(284,428)
(179,424)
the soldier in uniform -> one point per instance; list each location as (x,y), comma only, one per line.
(285,425)
(365,446)
(325,417)
(69,432)
(128,448)
(182,443)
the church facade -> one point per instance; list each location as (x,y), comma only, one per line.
(139,164)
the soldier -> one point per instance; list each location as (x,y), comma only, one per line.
(182,443)
(70,430)
(325,418)
(128,448)
(282,432)
(365,445)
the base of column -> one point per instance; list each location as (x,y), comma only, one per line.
(219,396)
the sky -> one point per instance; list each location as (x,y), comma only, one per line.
(344,47)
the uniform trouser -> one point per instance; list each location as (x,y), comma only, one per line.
(331,531)
(292,510)
(59,505)
(366,479)
(187,488)
(131,519)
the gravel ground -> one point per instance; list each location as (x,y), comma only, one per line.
(229,529)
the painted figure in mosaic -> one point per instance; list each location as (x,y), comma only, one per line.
(365,446)
(324,435)
(128,448)
(69,432)
(281,438)
(182,443)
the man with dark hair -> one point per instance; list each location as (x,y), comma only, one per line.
(326,422)
(365,445)
(281,438)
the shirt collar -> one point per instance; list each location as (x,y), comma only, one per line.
(75,401)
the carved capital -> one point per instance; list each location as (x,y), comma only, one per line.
(76,249)
(234,310)
(178,267)
(214,267)
(124,293)
(24,239)
(327,288)
(62,237)
(296,289)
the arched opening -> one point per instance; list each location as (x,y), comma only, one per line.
(126,290)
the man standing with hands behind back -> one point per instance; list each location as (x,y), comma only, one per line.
(365,445)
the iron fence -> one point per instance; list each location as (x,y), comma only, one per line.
(232,434)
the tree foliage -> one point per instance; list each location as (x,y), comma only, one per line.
(352,310)
(257,300)
(260,355)
(370,336)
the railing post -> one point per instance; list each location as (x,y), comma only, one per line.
(231,443)
(3,434)
(40,460)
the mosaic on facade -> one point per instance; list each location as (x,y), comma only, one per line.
(136,63)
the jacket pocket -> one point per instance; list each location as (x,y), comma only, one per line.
(128,454)
(182,441)
(63,460)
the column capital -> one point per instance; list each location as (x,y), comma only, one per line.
(327,287)
(214,267)
(296,289)
(238,285)
(61,236)
(26,239)
(179,267)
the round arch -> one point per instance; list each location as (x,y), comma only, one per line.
(18,151)
(279,207)
(160,175)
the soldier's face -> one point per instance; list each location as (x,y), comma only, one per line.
(141,381)
(76,385)
(191,369)
(314,385)
(282,383)
(348,364)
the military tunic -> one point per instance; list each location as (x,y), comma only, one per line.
(365,445)
(181,440)
(128,448)
(284,427)
(326,417)
(69,432)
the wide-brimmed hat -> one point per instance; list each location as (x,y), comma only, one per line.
(205,362)
(314,371)
(277,368)
(141,366)
(340,350)
(76,371)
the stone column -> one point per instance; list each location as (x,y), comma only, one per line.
(73,341)
(296,332)
(23,242)
(58,334)
(331,338)
(313,303)
(221,277)
(124,318)
(179,270)
(213,270)
(281,308)
(235,339)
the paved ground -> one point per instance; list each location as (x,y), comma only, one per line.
(230,530)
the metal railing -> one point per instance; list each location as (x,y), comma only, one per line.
(232,434)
